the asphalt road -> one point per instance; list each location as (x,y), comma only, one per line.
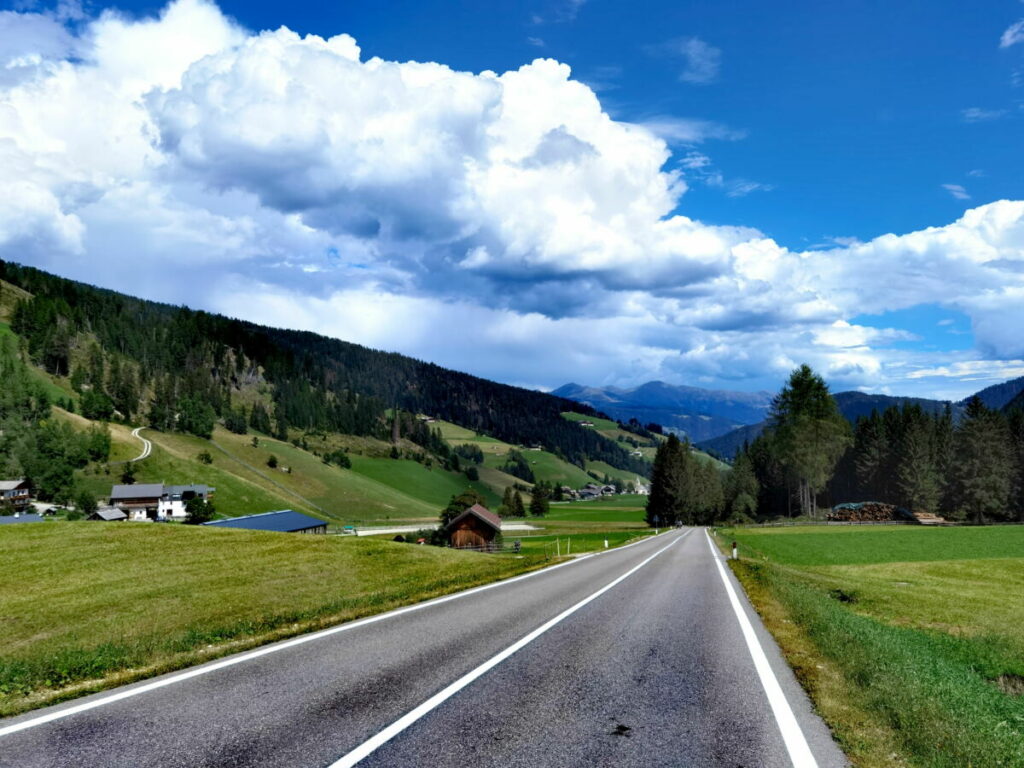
(634,657)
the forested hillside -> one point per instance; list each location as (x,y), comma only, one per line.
(184,370)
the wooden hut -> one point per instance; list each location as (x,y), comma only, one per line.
(476,528)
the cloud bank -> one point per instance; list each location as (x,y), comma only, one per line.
(499,223)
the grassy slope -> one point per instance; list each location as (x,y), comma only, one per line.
(900,634)
(122,601)
(10,295)
(432,485)
(545,466)
(344,495)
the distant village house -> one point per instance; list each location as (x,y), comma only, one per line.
(156,501)
(15,495)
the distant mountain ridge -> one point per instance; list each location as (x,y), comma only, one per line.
(699,413)
(999,395)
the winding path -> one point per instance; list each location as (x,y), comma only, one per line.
(147,446)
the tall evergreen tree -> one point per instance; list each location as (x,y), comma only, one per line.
(518,508)
(984,466)
(810,433)
(916,472)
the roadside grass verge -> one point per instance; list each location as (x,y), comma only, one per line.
(114,602)
(909,651)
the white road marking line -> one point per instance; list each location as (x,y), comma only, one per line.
(231,661)
(796,744)
(375,742)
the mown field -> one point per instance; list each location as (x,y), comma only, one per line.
(105,603)
(575,543)
(909,639)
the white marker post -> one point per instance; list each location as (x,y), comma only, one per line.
(606,543)
(735,551)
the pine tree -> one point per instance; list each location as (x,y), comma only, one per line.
(984,467)
(539,500)
(811,434)
(916,475)
(671,479)
(518,508)
(507,503)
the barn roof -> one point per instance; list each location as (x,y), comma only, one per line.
(140,491)
(282,521)
(481,512)
(12,485)
(109,513)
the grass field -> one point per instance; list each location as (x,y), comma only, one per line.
(908,638)
(111,602)
(624,508)
(575,543)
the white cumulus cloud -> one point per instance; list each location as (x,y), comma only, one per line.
(502,223)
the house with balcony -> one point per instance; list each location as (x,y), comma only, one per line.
(15,496)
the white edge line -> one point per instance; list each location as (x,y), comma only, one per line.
(231,661)
(375,742)
(799,751)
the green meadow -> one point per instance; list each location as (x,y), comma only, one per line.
(908,638)
(114,602)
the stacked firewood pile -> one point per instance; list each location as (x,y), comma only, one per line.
(866,512)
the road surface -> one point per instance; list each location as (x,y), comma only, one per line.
(633,657)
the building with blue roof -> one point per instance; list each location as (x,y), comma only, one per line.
(282,521)
(20,518)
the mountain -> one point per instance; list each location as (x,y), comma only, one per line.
(853,405)
(998,395)
(700,413)
(183,370)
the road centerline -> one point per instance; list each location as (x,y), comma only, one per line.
(382,737)
(792,735)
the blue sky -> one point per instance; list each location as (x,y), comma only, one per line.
(717,192)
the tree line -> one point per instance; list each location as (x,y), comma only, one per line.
(966,469)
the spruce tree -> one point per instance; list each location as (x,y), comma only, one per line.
(539,500)
(810,434)
(984,467)
(519,509)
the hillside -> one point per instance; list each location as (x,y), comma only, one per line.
(184,371)
(1000,395)
(699,413)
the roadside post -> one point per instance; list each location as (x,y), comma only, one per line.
(735,551)
(606,543)
(655,520)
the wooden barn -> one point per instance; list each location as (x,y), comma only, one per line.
(476,528)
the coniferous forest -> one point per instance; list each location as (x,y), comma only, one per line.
(811,458)
(970,469)
(177,369)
